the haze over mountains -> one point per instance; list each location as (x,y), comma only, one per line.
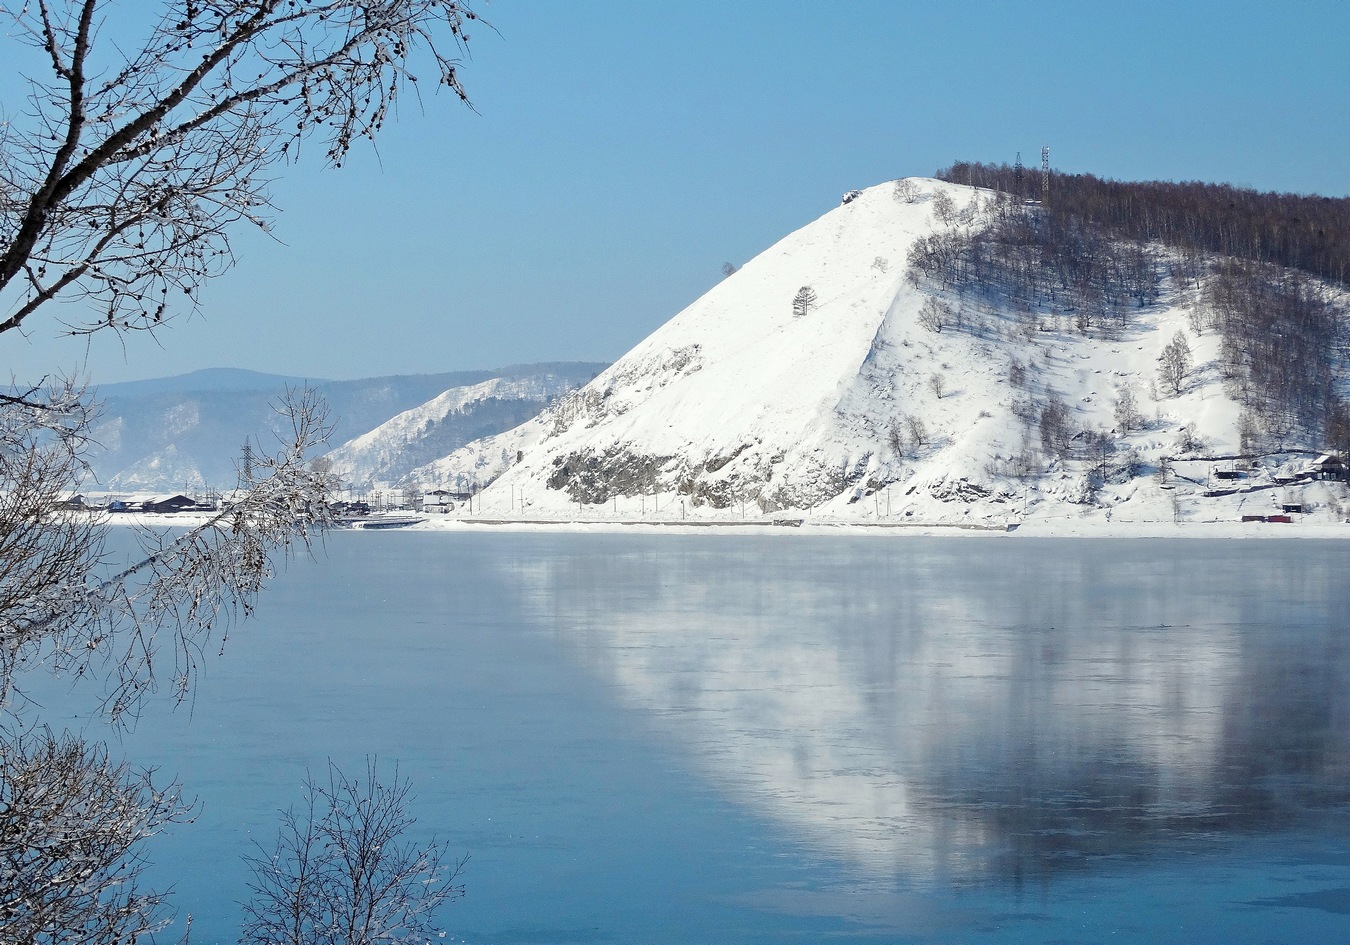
(188,432)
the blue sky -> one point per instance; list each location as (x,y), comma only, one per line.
(622,151)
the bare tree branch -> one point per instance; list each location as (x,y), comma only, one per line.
(72,825)
(119,186)
(58,610)
(341,872)
(121,190)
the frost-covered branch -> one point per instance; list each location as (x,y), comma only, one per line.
(72,822)
(149,622)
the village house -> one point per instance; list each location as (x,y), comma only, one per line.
(438,500)
(1329,467)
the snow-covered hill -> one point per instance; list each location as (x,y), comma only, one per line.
(385,455)
(187,432)
(812,383)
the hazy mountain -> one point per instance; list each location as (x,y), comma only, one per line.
(188,431)
(213,380)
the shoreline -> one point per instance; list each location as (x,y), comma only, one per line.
(872,530)
(1321,530)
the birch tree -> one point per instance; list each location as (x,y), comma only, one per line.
(1174,365)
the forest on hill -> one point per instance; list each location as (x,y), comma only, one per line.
(1305,232)
(1267,271)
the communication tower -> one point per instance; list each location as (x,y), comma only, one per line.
(1045,172)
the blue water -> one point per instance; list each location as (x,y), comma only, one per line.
(715,738)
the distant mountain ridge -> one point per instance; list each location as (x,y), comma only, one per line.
(187,432)
(207,379)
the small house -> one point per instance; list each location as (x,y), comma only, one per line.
(1330,468)
(438,500)
(130,502)
(161,504)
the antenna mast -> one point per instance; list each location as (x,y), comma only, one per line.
(1045,172)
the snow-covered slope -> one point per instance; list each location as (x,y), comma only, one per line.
(182,433)
(165,466)
(751,404)
(383,456)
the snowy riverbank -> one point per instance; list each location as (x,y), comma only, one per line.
(1094,527)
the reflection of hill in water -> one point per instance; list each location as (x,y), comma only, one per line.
(971,706)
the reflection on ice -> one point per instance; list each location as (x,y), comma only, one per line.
(967,707)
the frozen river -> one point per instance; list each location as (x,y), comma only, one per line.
(717,738)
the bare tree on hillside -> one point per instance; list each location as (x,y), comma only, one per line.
(935,315)
(906,190)
(944,207)
(1187,441)
(1100,445)
(1175,364)
(918,430)
(895,438)
(803,301)
(1126,410)
(1057,432)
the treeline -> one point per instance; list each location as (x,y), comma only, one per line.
(1008,253)
(1285,342)
(1308,233)
(1262,263)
